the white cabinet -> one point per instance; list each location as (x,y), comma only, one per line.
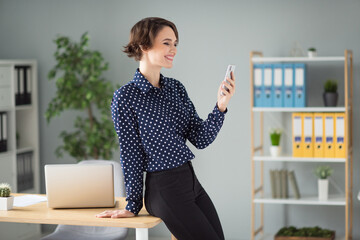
(22,173)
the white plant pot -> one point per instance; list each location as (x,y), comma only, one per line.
(323,188)
(275,151)
(6,203)
(312,54)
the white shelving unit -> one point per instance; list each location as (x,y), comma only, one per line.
(24,120)
(257,152)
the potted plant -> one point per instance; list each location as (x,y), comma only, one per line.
(6,201)
(330,95)
(275,135)
(306,233)
(323,172)
(81,87)
(312,52)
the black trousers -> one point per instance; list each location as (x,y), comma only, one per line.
(177,197)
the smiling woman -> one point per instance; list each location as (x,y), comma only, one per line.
(154,117)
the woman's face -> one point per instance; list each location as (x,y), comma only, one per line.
(163,51)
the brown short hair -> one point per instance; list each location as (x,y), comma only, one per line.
(143,34)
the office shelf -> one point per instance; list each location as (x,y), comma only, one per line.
(308,200)
(24,149)
(296,159)
(24,107)
(6,154)
(297,59)
(268,236)
(304,109)
(258,159)
(5,109)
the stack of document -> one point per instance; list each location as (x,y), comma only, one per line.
(280,85)
(320,135)
(27,200)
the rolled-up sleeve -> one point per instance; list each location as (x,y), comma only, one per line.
(132,154)
(201,133)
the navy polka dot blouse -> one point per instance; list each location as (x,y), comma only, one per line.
(153,125)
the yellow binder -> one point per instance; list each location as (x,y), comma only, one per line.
(308,135)
(319,140)
(340,135)
(297,135)
(329,129)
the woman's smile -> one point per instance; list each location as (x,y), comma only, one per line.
(170,57)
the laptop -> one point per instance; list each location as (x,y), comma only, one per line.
(79,185)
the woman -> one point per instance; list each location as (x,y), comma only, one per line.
(153,117)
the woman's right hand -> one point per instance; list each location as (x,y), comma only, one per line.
(115,214)
(224,98)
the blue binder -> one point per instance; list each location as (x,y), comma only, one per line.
(300,85)
(288,86)
(278,85)
(258,82)
(267,99)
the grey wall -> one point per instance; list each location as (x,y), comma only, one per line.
(212,35)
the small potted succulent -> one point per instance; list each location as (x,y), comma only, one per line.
(275,135)
(312,52)
(330,93)
(323,172)
(6,201)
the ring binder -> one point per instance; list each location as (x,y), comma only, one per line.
(3,132)
(23,85)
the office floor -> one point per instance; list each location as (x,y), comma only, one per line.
(37,237)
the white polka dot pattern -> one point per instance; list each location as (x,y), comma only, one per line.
(153,125)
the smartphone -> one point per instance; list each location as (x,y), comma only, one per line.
(230,68)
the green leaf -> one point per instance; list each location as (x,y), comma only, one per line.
(51,74)
(88,95)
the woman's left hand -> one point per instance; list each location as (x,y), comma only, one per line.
(115,214)
(223,100)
